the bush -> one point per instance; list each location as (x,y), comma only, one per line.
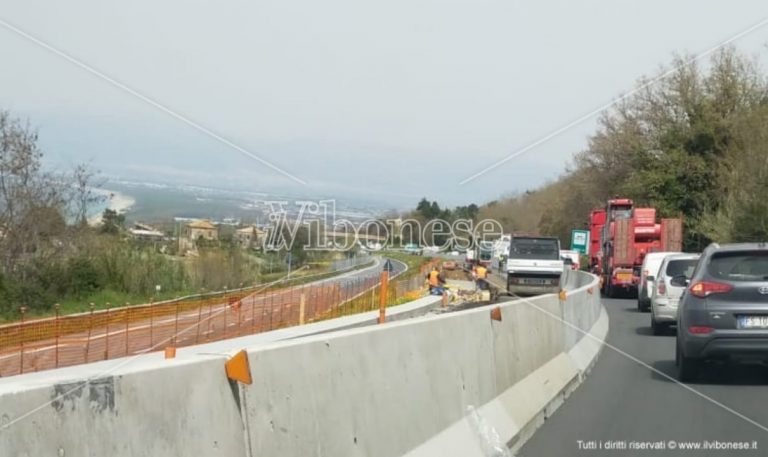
(83,277)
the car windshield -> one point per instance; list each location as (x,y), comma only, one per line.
(740,266)
(681,267)
(622,213)
(534,248)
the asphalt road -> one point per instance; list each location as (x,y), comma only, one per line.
(623,401)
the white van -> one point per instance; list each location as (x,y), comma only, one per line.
(534,265)
(651,264)
(666,296)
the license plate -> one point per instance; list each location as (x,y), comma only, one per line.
(748,322)
(624,276)
(535,281)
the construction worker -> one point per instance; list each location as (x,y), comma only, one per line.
(502,262)
(481,277)
(435,279)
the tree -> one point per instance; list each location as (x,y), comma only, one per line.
(424,207)
(83,194)
(678,145)
(28,195)
(111,221)
(466,212)
(35,240)
(744,214)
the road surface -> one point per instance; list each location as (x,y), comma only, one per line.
(624,401)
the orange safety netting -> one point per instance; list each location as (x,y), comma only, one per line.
(61,341)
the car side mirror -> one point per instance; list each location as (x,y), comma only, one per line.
(679,281)
(650,278)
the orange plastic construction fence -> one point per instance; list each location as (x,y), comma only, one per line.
(60,341)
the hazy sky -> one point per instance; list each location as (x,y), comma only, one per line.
(389,100)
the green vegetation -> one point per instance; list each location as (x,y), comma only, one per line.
(692,144)
(433,223)
(431,210)
(112,222)
(107,298)
(49,254)
(104,268)
(414,262)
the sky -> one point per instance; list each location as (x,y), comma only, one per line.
(386,101)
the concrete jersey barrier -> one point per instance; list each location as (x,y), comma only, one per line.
(452,384)
(146,405)
(434,386)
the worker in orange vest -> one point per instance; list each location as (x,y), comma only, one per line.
(435,279)
(481,276)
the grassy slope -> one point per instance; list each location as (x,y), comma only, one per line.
(109,298)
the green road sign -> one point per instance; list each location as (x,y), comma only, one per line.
(580,240)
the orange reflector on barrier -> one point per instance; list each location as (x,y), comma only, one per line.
(170,352)
(496,314)
(563,295)
(238,368)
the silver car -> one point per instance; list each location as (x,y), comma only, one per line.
(665,295)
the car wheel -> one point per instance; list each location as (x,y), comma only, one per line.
(687,367)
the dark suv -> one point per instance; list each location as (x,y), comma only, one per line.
(723,312)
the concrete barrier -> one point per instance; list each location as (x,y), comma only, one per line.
(153,408)
(452,384)
(433,386)
(146,405)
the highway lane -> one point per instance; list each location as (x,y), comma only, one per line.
(624,401)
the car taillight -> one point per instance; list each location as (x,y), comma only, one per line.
(703,289)
(700,330)
(662,287)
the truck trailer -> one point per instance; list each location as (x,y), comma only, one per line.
(621,237)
